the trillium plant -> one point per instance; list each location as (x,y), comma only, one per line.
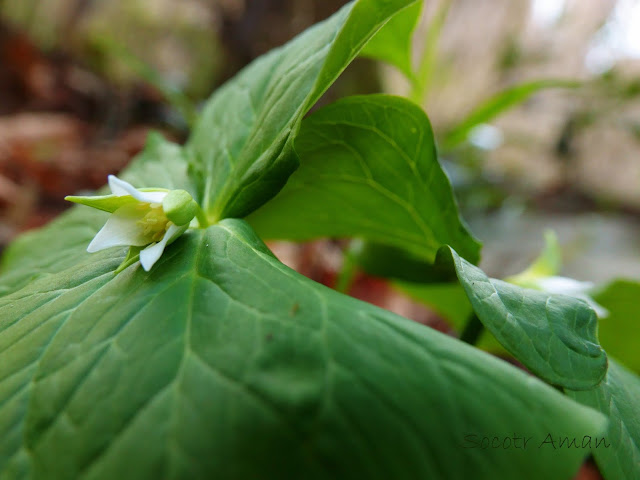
(154,335)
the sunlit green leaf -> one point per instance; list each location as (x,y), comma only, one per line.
(242,144)
(552,335)
(222,362)
(449,300)
(368,169)
(392,43)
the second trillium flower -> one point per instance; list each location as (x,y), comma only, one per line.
(542,275)
(149,217)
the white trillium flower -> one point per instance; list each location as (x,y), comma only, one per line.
(572,288)
(560,286)
(141,217)
(541,275)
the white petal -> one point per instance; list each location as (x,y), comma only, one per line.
(121,229)
(601,312)
(150,255)
(150,197)
(573,288)
(121,188)
(564,285)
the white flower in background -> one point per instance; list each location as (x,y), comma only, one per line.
(572,288)
(541,275)
(151,218)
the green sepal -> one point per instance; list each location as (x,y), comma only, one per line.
(108,203)
(133,255)
(179,207)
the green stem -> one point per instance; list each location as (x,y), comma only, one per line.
(472,330)
(347,274)
(133,255)
(422,79)
(203,221)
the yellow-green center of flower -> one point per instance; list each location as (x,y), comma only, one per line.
(154,223)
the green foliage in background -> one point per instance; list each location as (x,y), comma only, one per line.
(617,397)
(618,332)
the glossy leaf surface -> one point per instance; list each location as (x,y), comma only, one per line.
(392,44)
(223,362)
(552,335)
(368,169)
(241,146)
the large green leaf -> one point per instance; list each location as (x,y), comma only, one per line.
(618,333)
(617,397)
(552,335)
(393,43)
(498,104)
(241,145)
(450,301)
(222,362)
(368,169)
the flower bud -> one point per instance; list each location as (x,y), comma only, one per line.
(179,207)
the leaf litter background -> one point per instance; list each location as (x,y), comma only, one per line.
(73,109)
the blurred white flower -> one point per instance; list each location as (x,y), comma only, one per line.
(541,275)
(572,288)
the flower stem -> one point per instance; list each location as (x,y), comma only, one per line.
(472,330)
(203,221)
(347,274)
(133,255)
(423,76)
